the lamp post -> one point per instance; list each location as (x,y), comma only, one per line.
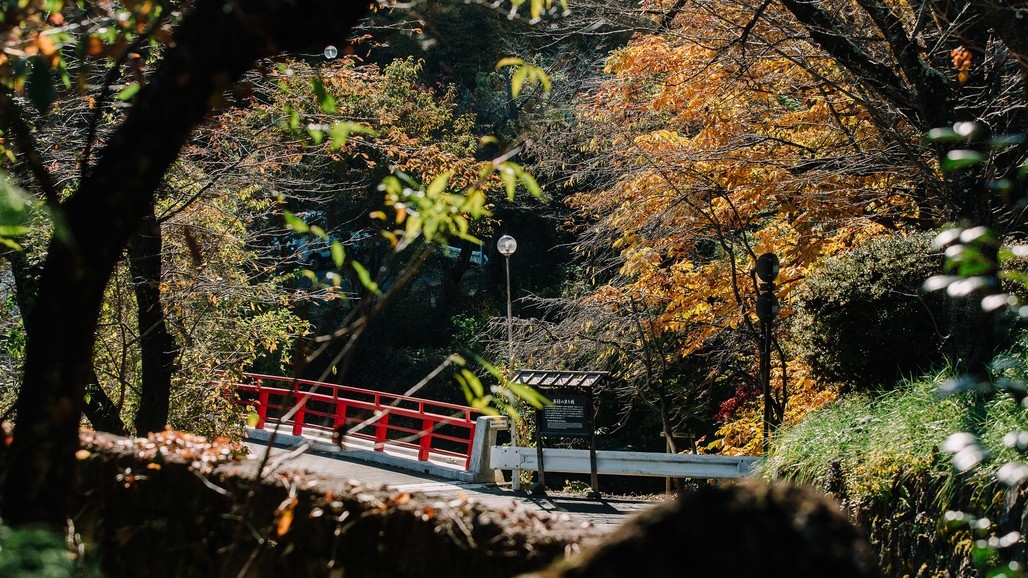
(506,245)
(766,270)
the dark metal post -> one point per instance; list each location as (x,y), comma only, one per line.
(766,270)
(510,321)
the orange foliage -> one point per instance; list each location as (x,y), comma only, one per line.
(743,435)
(722,155)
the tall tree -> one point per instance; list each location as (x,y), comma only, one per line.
(214,45)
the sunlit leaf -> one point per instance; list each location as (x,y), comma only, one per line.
(996,302)
(128,92)
(338,254)
(284,516)
(317,135)
(517,80)
(294,223)
(938,282)
(961,158)
(968,129)
(962,383)
(365,278)
(509,61)
(473,382)
(529,395)
(439,184)
(979,235)
(325,100)
(946,237)
(341,131)
(968,453)
(943,135)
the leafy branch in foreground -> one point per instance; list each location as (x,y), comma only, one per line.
(974,272)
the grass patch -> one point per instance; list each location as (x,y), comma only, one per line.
(864,447)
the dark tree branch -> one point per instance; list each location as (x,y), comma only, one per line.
(826,32)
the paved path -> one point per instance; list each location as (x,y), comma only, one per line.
(604,513)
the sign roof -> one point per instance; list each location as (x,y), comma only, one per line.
(554,378)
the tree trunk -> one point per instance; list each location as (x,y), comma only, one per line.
(101,412)
(215,44)
(157,346)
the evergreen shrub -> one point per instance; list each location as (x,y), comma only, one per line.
(861,318)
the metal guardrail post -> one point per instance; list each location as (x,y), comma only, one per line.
(299,417)
(339,421)
(263,398)
(425,444)
(381,429)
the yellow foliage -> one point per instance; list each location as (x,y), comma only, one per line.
(743,435)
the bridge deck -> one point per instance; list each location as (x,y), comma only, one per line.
(393,455)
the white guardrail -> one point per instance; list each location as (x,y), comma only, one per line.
(623,463)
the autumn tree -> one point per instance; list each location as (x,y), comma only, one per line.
(740,128)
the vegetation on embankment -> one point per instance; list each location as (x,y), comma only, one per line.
(879,454)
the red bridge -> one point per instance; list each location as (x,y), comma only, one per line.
(430,428)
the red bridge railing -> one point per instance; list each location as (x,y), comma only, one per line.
(430,427)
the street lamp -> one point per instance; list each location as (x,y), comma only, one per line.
(766,270)
(506,245)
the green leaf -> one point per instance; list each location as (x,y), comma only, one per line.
(473,382)
(319,232)
(1005,140)
(338,255)
(943,135)
(341,131)
(510,180)
(365,278)
(14,230)
(294,118)
(15,213)
(126,94)
(529,395)
(530,184)
(540,77)
(294,223)
(439,184)
(961,158)
(325,100)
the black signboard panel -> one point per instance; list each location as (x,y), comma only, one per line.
(570,415)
